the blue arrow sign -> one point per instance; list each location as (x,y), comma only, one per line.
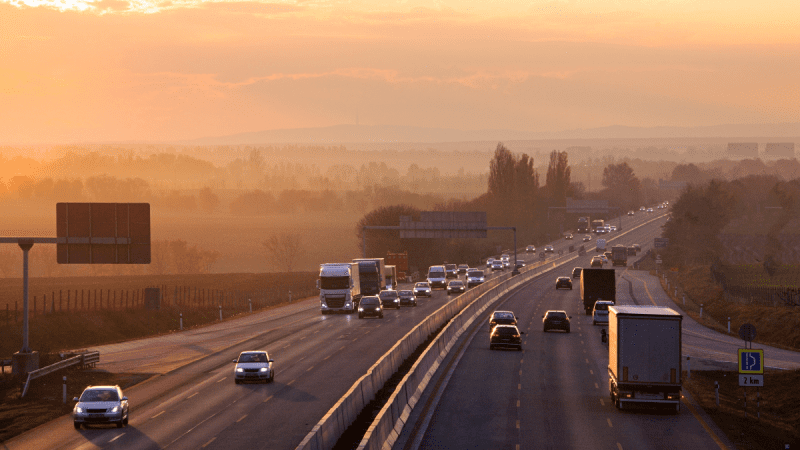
(751,361)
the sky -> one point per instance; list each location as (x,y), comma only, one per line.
(74,71)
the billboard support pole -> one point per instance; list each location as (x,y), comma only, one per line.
(25,245)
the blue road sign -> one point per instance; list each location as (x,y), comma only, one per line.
(751,361)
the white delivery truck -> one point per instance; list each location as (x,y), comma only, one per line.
(601,245)
(644,355)
(391,277)
(339,287)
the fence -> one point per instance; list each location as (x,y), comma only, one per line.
(764,295)
(81,300)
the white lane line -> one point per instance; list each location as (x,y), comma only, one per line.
(220,380)
(596,386)
(519,386)
(602,402)
(619,446)
(291,382)
(591,371)
(187,398)
(520,372)
(162,412)
(209,441)
(581,342)
(587,360)
(326,357)
(117,437)
(342,347)
(518,424)
(309,369)
(517,403)
(241,418)
(609,422)
(267,399)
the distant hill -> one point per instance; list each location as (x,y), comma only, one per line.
(344,134)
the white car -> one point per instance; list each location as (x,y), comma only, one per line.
(497,265)
(613,227)
(600,311)
(489,263)
(422,289)
(649,210)
(255,365)
(475,277)
(100,404)
(587,238)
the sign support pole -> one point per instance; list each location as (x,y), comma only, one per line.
(25,245)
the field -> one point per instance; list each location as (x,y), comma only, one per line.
(91,319)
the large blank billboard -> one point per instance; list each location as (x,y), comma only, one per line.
(744,149)
(779,150)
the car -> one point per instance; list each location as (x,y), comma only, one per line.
(596,262)
(456,287)
(548,249)
(642,208)
(555,320)
(489,263)
(604,258)
(370,306)
(389,299)
(463,268)
(254,365)
(630,213)
(607,228)
(407,298)
(422,289)
(506,263)
(505,336)
(497,265)
(637,247)
(530,249)
(100,404)
(475,277)
(505,256)
(631,251)
(600,311)
(452,270)
(502,318)
(587,238)
(649,210)
(568,237)
(565,282)
(613,227)
(437,277)
(576,272)
(520,263)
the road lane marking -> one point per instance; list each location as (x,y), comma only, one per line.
(609,422)
(162,412)
(518,424)
(704,424)
(591,371)
(241,418)
(315,332)
(309,369)
(290,383)
(619,446)
(517,403)
(596,386)
(343,347)
(209,442)
(117,437)
(519,386)
(326,357)
(587,360)
(602,402)
(220,380)
(521,361)
(267,399)
(187,398)
(520,372)
(581,342)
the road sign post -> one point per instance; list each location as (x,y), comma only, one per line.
(751,365)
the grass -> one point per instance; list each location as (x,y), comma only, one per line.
(779,408)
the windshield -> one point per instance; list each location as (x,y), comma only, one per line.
(406,294)
(421,285)
(456,283)
(369,301)
(100,395)
(388,294)
(450,266)
(601,306)
(556,315)
(334,282)
(475,273)
(436,274)
(253,357)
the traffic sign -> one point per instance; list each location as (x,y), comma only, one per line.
(103,233)
(660,242)
(751,380)
(751,361)
(747,332)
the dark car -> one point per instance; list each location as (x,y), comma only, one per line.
(452,270)
(463,268)
(530,249)
(407,298)
(555,320)
(596,262)
(631,251)
(568,237)
(564,282)
(502,318)
(389,299)
(637,247)
(576,272)
(505,336)
(370,306)
(548,249)
(456,287)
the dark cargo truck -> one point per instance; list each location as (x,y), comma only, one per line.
(644,356)
(597,284)
(370,276)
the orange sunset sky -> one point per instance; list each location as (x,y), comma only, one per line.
(114,70)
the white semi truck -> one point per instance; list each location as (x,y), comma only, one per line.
(339,287)
(644,356)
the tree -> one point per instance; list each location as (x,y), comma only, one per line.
(208,200)
(284,250)
(501,172)
(623,189)
(558,174)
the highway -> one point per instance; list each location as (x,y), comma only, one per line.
(554,394)
(192,401)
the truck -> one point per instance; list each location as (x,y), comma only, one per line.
(583,225)
(391,277)
(372,273)
(597,224)
(644,356)
(619,255)
(339,287)
(399,260)
(601,246)
(597,284)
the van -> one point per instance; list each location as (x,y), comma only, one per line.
(437,277)
(600,312)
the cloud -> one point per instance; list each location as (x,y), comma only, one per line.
(251,7)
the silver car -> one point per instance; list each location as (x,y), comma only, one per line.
(100,404)
(253,366)
(422,289)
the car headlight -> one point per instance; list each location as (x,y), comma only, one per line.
(264,369)
(396,300)
(361,309)
(78,409)
(239,369)
(115,409)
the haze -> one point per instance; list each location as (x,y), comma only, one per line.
(147,71)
